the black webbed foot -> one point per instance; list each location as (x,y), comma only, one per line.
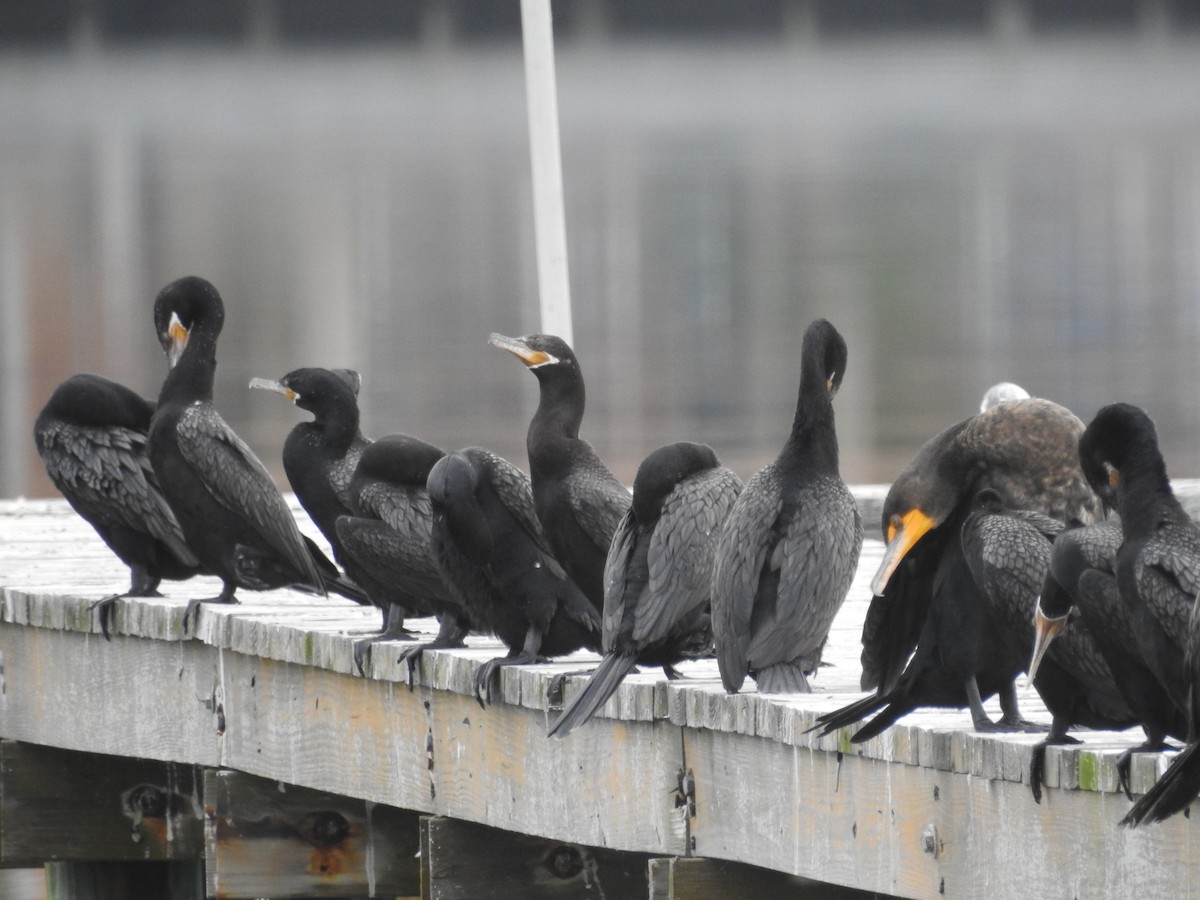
(103,608)
(1037,762)
(362,647)
(554,690)
(1125,762)
(488,675)
(103,611)
(411,657)
(192,613)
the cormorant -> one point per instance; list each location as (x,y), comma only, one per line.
(930,638)
(1008,553)
(1158,578)
(91,436)
(1081,588)
(579,502)
(493,554)
(789,548)
(387,540)
(232,514)
(319,456)
(658,577)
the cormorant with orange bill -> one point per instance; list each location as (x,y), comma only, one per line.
(232,515)
(579,501)
(930,637)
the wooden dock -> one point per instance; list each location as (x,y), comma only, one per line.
(196,748)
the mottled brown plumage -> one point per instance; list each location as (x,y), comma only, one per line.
(930,637)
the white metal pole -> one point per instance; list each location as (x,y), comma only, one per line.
(549,221)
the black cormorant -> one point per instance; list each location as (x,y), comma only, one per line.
(232,514)
(930,638)
(1081,587)
(91,436)
(319,456)
(493,554)
(388,538)
(659,572)
(789,548)
(1008,553)
(579,502)
(1158,578)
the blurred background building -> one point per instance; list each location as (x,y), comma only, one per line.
(971,190)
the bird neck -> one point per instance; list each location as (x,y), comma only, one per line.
(560,408)
(192,377)
(813,436)
(338,427)
(1144,495)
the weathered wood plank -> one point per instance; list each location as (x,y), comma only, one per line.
(67,805)
(467,861)
(267,688)
(710,879)
(267,839)
(606,786)
(179,880)
(130,697)
(919,832)
(659,875)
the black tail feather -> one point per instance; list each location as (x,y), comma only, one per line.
(849,714)
(603,683)
(1172,793)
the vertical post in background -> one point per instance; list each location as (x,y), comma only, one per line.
(548,217)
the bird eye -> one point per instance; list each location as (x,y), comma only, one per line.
(895,523)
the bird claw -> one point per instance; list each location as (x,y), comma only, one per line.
(484,676)
(1124,763)
(103,611)
(362,655)
(411,657)
(1037,763)
(192,614)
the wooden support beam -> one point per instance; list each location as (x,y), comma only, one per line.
(466,861)
(690,878)
(268,839)
(69,805)
(177,879)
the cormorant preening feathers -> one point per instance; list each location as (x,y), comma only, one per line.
(91,437)
(232,514)
(1158,578)
(931,638)
(789,548)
